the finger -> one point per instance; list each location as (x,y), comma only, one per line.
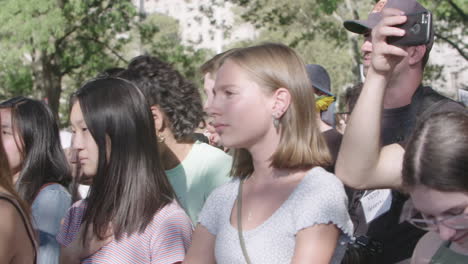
(392,21)
(394,50)
(109,231)
(390,32)
(391,12)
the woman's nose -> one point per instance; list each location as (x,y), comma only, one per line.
(446,233)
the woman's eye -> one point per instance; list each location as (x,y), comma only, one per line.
(455,212)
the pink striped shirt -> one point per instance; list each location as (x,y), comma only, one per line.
(165,240)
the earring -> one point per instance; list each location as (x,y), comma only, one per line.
(161,138)
(276,122)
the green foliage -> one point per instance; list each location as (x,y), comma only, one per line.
(57,39)
(15,80)
(160,37)
(313,28)
(450,23)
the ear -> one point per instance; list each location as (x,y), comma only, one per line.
(282,100)
(416,54)
(158,117)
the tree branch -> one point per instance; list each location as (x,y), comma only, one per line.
(458,10)
(109,48)
(453,44)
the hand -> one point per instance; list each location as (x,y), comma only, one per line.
(76,250)
(384,56)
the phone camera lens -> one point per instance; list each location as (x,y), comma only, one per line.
(415,29)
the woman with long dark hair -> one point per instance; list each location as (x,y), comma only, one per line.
(17,240)
(130,197)
(193,168)
(38,167)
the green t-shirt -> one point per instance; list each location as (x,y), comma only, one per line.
(204,169)
(445,255)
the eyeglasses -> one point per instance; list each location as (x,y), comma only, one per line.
(458,222)
(419,220)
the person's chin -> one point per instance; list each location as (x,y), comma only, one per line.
(462,240)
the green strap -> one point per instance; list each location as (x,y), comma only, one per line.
(239,223)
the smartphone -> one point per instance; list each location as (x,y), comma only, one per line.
(418,28)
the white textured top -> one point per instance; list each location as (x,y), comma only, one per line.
(318,199)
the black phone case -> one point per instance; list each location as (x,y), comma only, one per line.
(418,30)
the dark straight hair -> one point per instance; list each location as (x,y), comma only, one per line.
(130,185)
(43,159)
(437,153)
(6,181)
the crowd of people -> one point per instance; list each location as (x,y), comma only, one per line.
(272,180)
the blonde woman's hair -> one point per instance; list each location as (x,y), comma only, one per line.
(212,65)
(301,145)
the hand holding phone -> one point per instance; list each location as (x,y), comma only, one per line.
(418,28)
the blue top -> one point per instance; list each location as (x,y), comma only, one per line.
(48,210)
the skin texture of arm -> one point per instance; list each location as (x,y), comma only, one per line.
(15,244)
(362,163)
(315,244)
(8,228)
(202,249)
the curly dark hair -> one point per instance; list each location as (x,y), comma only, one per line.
(176,97)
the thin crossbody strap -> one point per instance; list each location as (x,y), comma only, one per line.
(239,224)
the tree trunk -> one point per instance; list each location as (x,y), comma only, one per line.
(48,81)
(354,48)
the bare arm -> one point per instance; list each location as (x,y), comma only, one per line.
(362,163)
(316,244)
(202,249)
(8,230)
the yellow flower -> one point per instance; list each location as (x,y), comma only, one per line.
(323,102)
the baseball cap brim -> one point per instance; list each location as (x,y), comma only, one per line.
(357,26)
(323,90)
(363,26)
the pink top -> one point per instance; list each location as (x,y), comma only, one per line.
(165,240)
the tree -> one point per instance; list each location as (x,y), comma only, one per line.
(450,23)
(160,37)
(315,29)
(63,38)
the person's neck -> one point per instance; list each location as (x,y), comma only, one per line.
(459,248)
(262,153)
(173,152)
(400,89)
(16,176)
(322,125)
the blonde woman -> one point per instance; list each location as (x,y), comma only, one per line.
(282,206)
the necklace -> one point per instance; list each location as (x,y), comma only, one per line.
(249,216)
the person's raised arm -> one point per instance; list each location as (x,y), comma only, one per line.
(362,162)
